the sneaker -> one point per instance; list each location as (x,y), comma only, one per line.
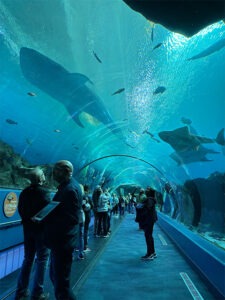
(43,296)
(80,257)
(106,236)
(87,249)
(147,257)
(154,255)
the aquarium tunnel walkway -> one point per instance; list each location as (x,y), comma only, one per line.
(185,267)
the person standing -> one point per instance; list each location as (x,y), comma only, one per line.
(147,219)
(95,197)
(62,229)
(102,209)
(87,207)
(141,199)
(31,200)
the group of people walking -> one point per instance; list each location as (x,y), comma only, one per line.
(66,228)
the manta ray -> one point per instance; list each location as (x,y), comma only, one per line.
(185,17)
(210,50)
(182,140)
(73,90)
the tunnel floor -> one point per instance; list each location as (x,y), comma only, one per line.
(113,269)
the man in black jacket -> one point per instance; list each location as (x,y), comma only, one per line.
(31,200)
(61,229)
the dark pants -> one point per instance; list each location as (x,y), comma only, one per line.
(86,228)
(148,230)
(102,222)
(60,270)
(95,222)
(33,245)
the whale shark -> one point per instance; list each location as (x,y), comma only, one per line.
(181,139)
(210,50)
(73,90)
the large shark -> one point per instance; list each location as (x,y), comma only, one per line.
(181,139)
(210,50)
(71,89)
(191,156)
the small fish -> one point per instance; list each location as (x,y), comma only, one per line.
(12,122)
(159,90)
(186,121)
(96,56)
(157,46)
(75,147)
(130,145)
(152,34)
(31,94)
(57,130)
(151,135)
(118,91)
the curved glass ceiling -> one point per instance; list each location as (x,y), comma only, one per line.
(81,80)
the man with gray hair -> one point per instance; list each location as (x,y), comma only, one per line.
(61,229)
(31,200)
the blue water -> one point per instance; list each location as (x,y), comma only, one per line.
(67,33)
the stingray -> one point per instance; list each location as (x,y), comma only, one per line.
(181,139)
(210,50)
(190,156)
(182,16)
(73,90)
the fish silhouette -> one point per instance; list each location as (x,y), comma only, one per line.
(190,156)
(210,50)
(152,34)
(31,94)
(70,89)
(157,46)
(119,91)
(186,121)
(10,121)
(96,56)
(184,17)
(159,90)
(182,140)
(220,137)
(151,135)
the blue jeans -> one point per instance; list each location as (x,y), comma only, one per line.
(86,228)
(33,245)
(81,238)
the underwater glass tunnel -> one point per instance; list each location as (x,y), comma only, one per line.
(130,102)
